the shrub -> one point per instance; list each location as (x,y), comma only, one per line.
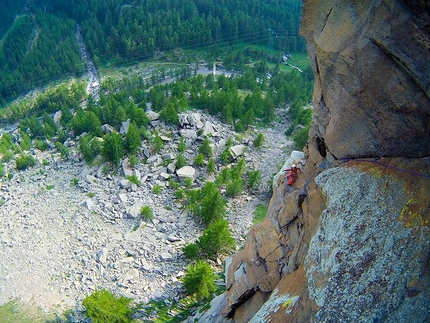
(157,189)
(64,151)
(259,140)
(90,148)
(146,212)
(2,171)
(188,181)
(191,251)
(103,306)
(301,137)
(180,161)
(211,167)
(200,160)
(205,148)
(200,280)
(132,138)
(40,144)
(235,187)
(173,184)
(182,147)
(133,179)
(254,178)
(113,147)
(216,238)
(133,160)
(24,162)
(75,181)
(157,143)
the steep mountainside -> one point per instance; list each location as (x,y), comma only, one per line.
(350,241)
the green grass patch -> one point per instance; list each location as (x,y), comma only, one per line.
(259,213)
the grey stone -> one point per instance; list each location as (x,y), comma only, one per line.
(152,115)
(186,171)
(166,256)
(171,168)
(134,210)
(131,274)
(152,159)
(163,176)
(173,238)
(135,236)
(107,129)
(127,170)
(237,150)
(124,127)
(89,204)
(122,197)
(124,183)
(102,255)
(208,128)
(189,133)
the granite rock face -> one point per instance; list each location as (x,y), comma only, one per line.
(371,61)
(348,242)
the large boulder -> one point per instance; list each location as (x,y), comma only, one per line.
(186,171)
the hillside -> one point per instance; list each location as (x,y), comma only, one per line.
(39,44)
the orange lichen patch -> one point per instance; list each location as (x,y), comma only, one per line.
(413,174)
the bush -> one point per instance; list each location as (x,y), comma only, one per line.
(200,160)
(191,251)
(64,151)
(259,140)
(235,187)
(182,147)
(157,143)
(211,167)
(205,148)
(103,307)
(200,280)
(133,179)
(180,161)
(146,212)
(157,189)
(40,144)
(301,137)
(24,162)
(90,148)
(113,147)
(133,160)
(132,138)
(216,238)
(254,178)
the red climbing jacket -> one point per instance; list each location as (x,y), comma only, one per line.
(291,174)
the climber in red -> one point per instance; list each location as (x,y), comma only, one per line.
(291,174)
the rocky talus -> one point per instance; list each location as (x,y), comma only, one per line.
(68,229)
(349,242)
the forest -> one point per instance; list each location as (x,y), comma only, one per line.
(39,37)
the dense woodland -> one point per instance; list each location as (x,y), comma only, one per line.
(39,44)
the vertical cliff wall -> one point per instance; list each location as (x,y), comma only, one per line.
(349,242)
